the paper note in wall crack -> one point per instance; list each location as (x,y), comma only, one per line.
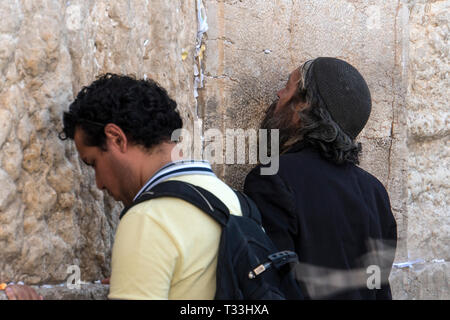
(184,54)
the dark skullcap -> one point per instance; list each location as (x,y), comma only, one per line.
(343,90)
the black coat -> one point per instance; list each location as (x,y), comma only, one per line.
(329,215)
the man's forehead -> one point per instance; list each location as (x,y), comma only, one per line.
(295,74)
(78,135)
(79,139)
(301,70)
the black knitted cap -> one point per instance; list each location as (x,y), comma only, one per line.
(344,91)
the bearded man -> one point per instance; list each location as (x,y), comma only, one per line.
(336,216)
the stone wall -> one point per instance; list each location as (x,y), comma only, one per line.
(52,215)
(427,113)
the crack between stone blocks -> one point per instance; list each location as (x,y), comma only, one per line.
(392,133)
(290,29)
(223,76)
(199,59)
(249,50)
(225,39)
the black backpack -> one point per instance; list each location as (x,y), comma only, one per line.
(249,266)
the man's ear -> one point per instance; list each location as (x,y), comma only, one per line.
(116,137)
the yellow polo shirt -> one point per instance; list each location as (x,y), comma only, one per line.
(167,248)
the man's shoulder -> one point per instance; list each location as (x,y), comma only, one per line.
(304,156)
(293,162)
(159,208)
(164,209)
(217,187)
(151,213)
(308,164)
(370,179)
(169,215)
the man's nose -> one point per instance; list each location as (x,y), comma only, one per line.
(279,93)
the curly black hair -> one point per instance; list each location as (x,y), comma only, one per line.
(141,108)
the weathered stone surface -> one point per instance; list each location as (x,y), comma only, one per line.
(428,281)
(51,215)
(254,45)
(86,292)
(428,134)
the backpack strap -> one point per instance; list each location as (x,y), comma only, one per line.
(197,196)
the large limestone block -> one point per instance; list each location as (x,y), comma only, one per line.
(428,131)
(51,214)
(421,281)
(254,45)
(428,200)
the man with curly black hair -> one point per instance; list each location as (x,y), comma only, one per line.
(333,214)
(164,248)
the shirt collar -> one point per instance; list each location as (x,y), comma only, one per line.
(176,168)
